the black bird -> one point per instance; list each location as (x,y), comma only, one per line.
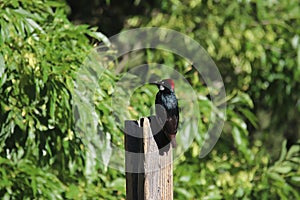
(166,108)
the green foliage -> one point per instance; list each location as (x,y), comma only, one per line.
(39,51)
(224,175)
(43,154)
(255,44)
(23,179)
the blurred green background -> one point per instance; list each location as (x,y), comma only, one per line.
(255,45)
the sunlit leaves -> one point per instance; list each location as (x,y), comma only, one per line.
(255,44)
(26,179)
(40,52)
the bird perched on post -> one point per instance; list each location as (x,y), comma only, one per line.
(166,108)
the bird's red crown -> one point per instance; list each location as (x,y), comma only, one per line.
(171,83)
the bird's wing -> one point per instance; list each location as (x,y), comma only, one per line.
(171,124)
(161,113)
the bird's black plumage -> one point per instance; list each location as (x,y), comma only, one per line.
(166,106)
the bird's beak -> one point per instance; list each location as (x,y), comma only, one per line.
(153,83)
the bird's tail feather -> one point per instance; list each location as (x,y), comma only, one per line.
(173,140)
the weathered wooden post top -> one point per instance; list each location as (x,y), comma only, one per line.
(148,161)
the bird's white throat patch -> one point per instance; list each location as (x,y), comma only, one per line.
(161,87)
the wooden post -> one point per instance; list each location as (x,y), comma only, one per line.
(149,168)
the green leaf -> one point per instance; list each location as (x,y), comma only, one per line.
(276,177)
(101,37)
(283,152)
(184,193)
(238,122)
(296,179)
(73,192)
(118,183)
(294,151)
(243,98)
(249,115)
(2,65)
(283,169)
(237,137)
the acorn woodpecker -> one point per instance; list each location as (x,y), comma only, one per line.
(166,108)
